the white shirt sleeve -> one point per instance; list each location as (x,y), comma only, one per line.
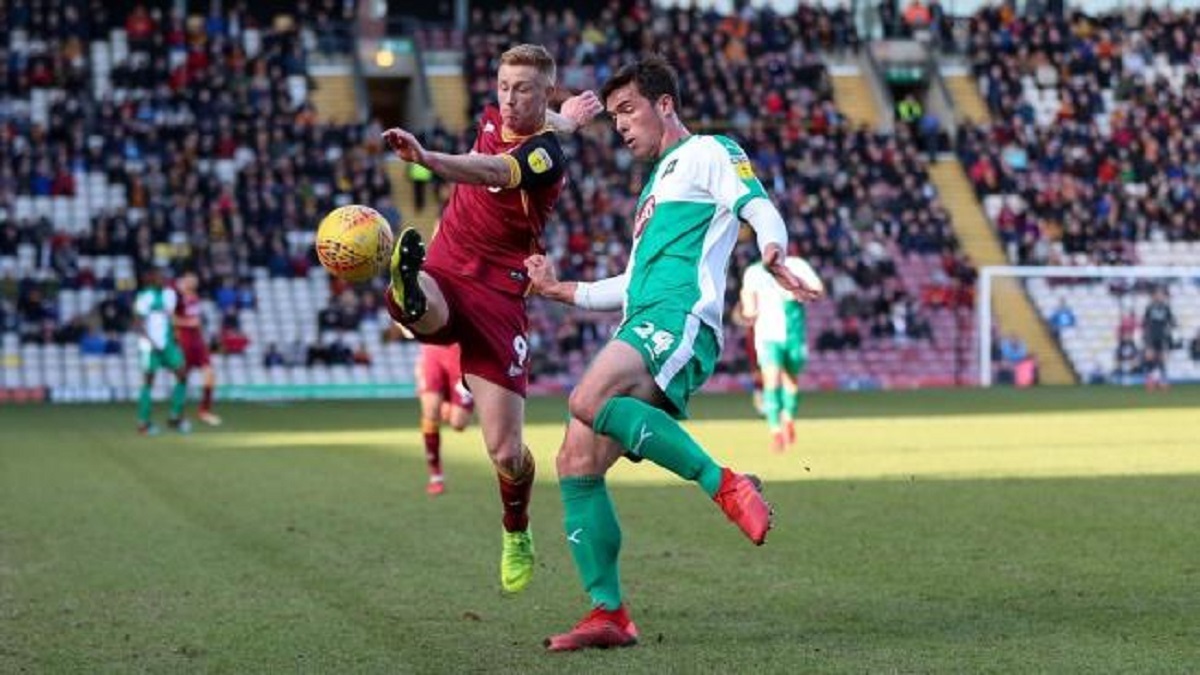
(767,223)
(605,295)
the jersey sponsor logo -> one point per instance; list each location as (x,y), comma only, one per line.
(489,128)
(539,161)
(644,215)
(744,170)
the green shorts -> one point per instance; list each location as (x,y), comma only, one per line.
(678,349)
(790,357)
(170,357)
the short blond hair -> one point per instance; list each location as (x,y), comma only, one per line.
(531,55)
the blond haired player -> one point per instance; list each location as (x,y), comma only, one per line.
(471,287)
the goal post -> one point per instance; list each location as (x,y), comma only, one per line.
(1097,296)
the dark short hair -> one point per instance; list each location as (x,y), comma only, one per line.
(652,76)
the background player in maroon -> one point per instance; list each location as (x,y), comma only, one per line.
(190,333)
(472,288)
(444,400)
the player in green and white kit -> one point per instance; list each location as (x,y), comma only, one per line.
(781,343)
(672,293)
(154,311)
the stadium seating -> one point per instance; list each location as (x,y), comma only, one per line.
(1092,158)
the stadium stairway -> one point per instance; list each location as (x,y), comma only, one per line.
(450,103)
(852,94)
(403,197)
(1013,308)
(334,98)
(965,93)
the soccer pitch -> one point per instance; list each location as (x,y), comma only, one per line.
(1052,530)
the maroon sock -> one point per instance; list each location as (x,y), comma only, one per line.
(206,401)
(433,450)
(514,496)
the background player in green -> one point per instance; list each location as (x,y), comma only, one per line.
(154,312)
(672,293)
(781,345)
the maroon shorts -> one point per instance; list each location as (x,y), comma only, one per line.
(195,351)
(439,372)
(489,325)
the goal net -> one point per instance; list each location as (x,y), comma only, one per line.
(1108,322)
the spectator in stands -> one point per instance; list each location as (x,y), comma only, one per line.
(272,358)
(1194,347)
(1062,318)
(361,356)
(232,339)
(1127,357)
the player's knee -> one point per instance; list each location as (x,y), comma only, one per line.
(508,454)
(575,460)
(584,404)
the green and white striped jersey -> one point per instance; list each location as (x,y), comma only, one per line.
(686,227)
(156,306)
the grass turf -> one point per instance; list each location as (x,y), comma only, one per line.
(934,531)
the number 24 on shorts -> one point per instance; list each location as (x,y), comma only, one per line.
(657,341)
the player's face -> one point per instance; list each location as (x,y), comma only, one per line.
(187,283)
(522,92)
(638,119)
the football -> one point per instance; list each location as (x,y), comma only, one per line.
(354,242)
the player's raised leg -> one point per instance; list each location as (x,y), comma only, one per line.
(614,398)
(501,413)
(594,537)
(413,297)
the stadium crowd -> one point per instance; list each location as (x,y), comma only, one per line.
(1115,159)
(206,128)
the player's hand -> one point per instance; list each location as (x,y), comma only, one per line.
(543,280)
(773,260)
(581,108)
(405,145)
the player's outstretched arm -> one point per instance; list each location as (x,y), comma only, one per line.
(576,112)
(604,295)
(772,237)
(475,169)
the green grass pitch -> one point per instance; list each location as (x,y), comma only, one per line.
(1003,531)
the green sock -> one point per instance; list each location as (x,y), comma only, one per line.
(649,432)
(178,399)
(144,405)
(594,537)
(791,402)
(771,406)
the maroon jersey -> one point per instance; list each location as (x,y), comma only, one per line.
(188,309)
(487,232)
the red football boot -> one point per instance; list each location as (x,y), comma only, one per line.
(740,497)
(600,629)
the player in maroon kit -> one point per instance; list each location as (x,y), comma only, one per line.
(444,400)
(471,289)
(190,335)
